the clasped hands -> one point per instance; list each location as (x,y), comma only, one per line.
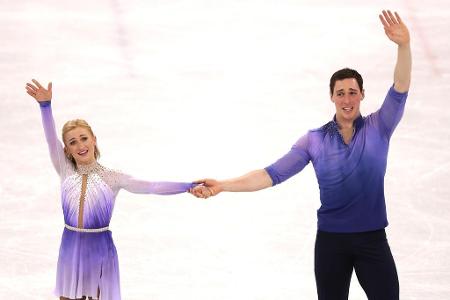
(205,188)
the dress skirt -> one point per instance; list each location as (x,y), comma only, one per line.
(87,264)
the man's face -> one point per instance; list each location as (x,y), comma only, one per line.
(347,98)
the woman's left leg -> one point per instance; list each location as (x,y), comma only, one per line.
(375,267)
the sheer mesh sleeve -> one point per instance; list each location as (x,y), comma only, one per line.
(391,111)
(291,163)
(61,164)
(139,186)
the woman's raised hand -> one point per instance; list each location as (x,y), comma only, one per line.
(38,92)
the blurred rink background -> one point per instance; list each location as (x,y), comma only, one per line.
(181,90)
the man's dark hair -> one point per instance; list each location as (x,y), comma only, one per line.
(344,74)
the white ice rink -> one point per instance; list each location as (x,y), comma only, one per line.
(184,89)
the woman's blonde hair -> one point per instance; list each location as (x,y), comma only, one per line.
(72,124)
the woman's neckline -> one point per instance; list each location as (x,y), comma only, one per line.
(88,168)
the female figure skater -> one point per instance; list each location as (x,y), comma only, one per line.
(349,155)
(87,265)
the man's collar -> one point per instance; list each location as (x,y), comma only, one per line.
(357,123)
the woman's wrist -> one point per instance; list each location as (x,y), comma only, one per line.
(44,103)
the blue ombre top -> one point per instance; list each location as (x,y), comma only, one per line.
(350,177)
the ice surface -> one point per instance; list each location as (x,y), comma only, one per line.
(180,90)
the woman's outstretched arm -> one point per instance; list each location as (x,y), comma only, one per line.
(139,186)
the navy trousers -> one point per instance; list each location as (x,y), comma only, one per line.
(368,253)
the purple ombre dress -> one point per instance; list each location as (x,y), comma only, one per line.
(88,260)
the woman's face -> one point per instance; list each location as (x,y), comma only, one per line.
(347,97)
(80,144)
